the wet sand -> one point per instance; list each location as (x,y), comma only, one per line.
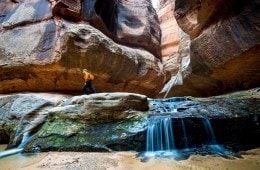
(2,147)
(126,161)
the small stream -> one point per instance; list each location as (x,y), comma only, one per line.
(18,160)
(19,149)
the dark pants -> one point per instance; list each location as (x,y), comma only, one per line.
(88,84)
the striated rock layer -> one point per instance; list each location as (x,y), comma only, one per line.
(39,51)
(170,40)
(224,49)
(119,121)
(130,22)
(98,122)
(44,45)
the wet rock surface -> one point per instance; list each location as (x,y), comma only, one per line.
(39,50)
(118,121)
(234,119)
(99,122)
(22,113)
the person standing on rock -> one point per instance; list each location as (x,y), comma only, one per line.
(88,82)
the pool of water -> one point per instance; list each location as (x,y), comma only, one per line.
(19,160)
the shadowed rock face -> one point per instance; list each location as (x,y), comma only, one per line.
(48,53)
(68,9)
(129,22)
(138,23)
(224,49)
(15,14)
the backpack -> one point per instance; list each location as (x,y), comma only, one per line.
(91,77)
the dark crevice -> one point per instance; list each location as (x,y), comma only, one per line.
(107,10)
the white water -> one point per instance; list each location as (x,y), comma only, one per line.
(218,149)
(184,133)
(160,139)
(160,134)
(210,131)
(10,152)
(18,149)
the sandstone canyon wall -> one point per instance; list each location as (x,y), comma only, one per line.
(44,45)
(184,47)
(223,54)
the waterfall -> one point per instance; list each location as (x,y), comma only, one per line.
(210,131)
(215,148)
(159,134)
(24,140)
(160,138)
(18,149)
(184,133)
(167,129)
(169,105)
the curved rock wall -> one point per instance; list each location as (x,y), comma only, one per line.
(224,46)
(130,22)
(40,51)
(170,30)
(44,45)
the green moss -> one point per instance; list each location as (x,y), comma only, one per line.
(9,128)
(131,124)
(81,139)
(66,133)
(59,141)
(62,127)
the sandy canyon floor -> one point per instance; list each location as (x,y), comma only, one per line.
(250,160)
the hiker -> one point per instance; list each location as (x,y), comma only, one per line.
(88,82)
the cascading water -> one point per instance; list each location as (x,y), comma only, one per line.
(215,148)
(161,137)
(184,133)
(163,106)
(18,149)
(210,131)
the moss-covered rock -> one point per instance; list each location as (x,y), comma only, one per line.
(99,122)
(118,121)
(6,131)
(74,135)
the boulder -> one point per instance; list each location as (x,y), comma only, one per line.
(98,122)
(21,113)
